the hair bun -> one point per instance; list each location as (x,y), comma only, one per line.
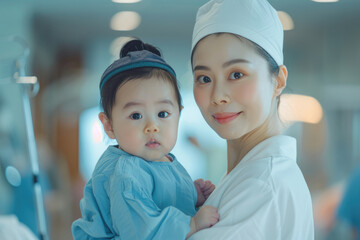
(137,45)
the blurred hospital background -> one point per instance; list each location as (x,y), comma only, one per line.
(52,55)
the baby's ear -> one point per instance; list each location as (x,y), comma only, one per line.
(106,122)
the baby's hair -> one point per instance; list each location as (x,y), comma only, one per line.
(137,45)
(108,91)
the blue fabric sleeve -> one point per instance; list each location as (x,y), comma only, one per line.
(91,225)
(136,216)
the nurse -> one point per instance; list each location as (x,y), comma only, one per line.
(237,61)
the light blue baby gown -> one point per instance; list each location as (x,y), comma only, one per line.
(130,198)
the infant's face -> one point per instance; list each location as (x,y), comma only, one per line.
(145,118)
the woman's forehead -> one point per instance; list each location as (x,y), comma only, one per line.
(223,47)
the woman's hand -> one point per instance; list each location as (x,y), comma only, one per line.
(206,217)
(204,189)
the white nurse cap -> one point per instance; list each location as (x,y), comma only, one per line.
(255,20)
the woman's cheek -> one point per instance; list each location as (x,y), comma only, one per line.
(244,93)
(201,98)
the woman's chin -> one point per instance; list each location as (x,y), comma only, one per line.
(228,134)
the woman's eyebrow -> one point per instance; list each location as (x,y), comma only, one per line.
(199,67)
(233,61)
(226,64)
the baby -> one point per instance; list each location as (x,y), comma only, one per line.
(138,189)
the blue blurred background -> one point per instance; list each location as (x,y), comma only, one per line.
(72,42)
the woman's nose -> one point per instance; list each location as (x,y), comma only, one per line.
(219,96)
(151,127)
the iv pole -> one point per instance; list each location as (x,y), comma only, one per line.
(29,88)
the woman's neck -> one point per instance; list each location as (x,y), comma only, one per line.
(238,148)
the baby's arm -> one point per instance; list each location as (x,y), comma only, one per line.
(204,189)
(135,215)
(206,217)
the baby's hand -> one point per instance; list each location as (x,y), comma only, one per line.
(204,189)
(206,217)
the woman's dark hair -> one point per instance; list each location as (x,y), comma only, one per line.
(108,92)
(273,67)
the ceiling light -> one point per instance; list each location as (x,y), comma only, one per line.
(300,108)
(125,21)
(286,20)
(126,1)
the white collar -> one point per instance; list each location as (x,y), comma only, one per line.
(276,146)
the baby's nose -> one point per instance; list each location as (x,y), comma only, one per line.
(151,128)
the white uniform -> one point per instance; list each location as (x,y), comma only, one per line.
(264,197)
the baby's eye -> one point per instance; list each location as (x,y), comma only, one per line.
(236,75)
(204,79)
(136,116)
(163,114)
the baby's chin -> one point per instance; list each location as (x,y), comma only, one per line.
(164,158)
(154,156)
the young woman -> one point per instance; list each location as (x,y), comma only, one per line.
(237,61)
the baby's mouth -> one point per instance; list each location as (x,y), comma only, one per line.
(152,144)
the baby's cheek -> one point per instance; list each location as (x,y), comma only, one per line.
(129,140)
(132,140)
(170,134)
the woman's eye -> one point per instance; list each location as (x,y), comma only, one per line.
(204,79)
(136,116)
(236,75)
(163,114)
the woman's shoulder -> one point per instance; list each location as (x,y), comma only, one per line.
(269,174)
(276,172)
(268,159)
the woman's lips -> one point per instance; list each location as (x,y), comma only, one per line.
(223,118)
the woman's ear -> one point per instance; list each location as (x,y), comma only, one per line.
(281,80)
(106,122)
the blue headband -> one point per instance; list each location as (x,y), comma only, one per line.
(132,60)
